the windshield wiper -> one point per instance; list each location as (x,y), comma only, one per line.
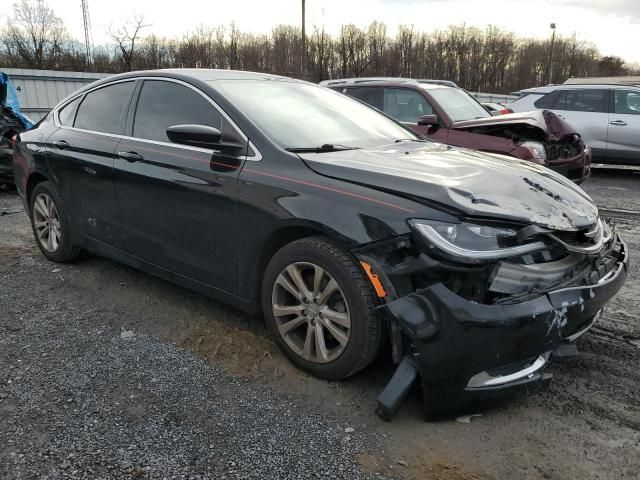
(327,147)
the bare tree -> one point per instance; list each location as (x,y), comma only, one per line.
(35,35)
(125,38)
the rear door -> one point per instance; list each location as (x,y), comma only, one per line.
(178,202)
(586,110)
(623,141)
(81,156)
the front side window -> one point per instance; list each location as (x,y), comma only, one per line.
(103,110)
(163,104)
(582,101)
(301,115)
(369,95)
(627,102)
(458,104)
(405,105)
(67,114)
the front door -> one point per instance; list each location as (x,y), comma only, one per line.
(178,202)
(586,110)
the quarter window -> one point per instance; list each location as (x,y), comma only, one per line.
(163,104)
(627,102)
(405,105)
(582,101)
(103,110)
(67,114)
(547,101)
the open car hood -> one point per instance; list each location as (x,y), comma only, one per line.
(555,128)
(474,183)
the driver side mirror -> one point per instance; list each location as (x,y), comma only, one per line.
(202,136)
(429,120)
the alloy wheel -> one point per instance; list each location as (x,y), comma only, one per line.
(311,312)
(47,222)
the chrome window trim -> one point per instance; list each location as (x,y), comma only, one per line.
(253,158)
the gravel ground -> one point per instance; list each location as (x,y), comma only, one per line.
(106,372)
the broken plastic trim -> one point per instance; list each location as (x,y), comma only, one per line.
(485,379)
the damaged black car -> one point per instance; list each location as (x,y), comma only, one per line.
(12,121)
(346,230)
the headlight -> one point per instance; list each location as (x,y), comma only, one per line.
(473,242)
(536,149)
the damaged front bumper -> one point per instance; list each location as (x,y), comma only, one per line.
(462,349)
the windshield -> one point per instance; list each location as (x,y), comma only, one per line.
(301,115)
(458,104)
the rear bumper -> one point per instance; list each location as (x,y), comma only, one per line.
(460,348)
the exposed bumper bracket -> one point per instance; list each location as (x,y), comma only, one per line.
(391,398)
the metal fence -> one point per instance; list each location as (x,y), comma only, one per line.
(40,90)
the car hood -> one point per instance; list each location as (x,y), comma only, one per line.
(473,183)
(555,128)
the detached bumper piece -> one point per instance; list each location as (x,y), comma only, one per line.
(462,349)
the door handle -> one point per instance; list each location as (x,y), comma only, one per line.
(130,156)
(618,123)
(61,144)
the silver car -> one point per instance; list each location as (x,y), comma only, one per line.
(607,116)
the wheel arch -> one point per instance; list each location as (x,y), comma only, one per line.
(34,179)
(282,236)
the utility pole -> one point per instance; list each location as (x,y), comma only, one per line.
(553,41)
(88,43)
(303,68)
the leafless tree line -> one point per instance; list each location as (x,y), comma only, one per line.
(491,59)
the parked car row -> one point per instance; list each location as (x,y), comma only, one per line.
(342,225)
(450,115)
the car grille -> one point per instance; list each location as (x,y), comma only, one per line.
(565,149)
(588,240)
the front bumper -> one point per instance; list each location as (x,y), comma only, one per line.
(577,168)
(6,165)
(461,348)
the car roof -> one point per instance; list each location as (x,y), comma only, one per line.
(582,86)
(368,81)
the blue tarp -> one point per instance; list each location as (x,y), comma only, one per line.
(11,102)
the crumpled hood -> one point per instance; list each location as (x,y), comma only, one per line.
(555,128)
(475,183)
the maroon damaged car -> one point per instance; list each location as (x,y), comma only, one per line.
(445,113)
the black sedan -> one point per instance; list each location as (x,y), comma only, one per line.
(344,228)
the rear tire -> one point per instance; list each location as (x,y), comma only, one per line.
(50,224)
(327,327)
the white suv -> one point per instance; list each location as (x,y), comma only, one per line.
(607,116)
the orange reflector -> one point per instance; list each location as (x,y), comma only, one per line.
(375,280)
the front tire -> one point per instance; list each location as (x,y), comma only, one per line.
(50,224)
(319,307)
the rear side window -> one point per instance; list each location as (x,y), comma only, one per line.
(369,95)
(103,110)
(405,105)
(583,101)
(627,102)
(67,114)
(163,104)
(547,101)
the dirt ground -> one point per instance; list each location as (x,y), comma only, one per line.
(587,425)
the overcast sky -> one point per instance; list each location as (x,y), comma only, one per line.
(612,25)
